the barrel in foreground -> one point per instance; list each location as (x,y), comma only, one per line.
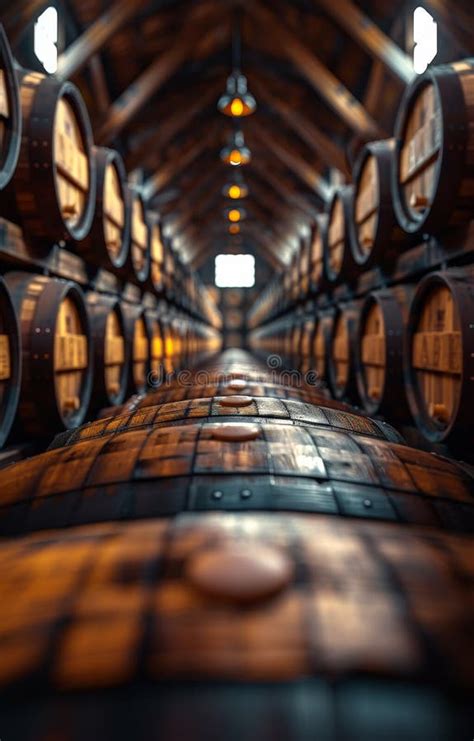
(232,539)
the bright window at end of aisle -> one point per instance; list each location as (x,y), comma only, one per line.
(235,271)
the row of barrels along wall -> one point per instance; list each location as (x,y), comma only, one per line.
(379,301)
(66,350)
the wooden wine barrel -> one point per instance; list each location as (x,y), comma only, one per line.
(169,261)
(318,240)
(52,194)
(291,282)
(173,627)
(56,353)
(304,269)
(307,341)
(379,352)
(137,334)
(137,265)
(171,458)
(204,385)
(156,254)
(10,113)
(157,348)
(111,355)
(439,359)
(343,348)
(433,171)
(376,238)
(338,260)
(10,362)
(296,336)
(107,244)
(322,344)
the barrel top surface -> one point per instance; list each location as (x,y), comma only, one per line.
(362,606)
(318,468)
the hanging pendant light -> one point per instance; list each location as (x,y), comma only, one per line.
(234,215)
(237,101)
(235,189)
(236,153)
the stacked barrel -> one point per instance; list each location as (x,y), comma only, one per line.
(94,302)
(384,312)
(246,532)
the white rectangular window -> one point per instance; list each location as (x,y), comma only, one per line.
(235,271)
(425,37)
(46,39)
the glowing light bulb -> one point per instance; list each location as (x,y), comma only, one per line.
(234,214)
(234,191)
(236,107)
(235,157)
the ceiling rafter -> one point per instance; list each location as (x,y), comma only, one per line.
(293,160)
(78,54)
(366,33)
(132,100)
(326,84)
(180,119)
(325,147)
(167,171)
(283,187)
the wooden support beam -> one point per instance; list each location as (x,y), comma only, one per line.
(76,56)
(327,85)
(294,161)
(132,100)
(99,84)
(366,33)
(167,130)
(168,170)
(325,147)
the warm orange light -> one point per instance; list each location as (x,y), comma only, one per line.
(235,157)
(234,192)
(234,214)
(234,229)
(236,107)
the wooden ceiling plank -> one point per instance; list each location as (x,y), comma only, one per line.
(327,85)
(366,33)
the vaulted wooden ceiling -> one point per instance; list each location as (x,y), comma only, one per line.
(327,76)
